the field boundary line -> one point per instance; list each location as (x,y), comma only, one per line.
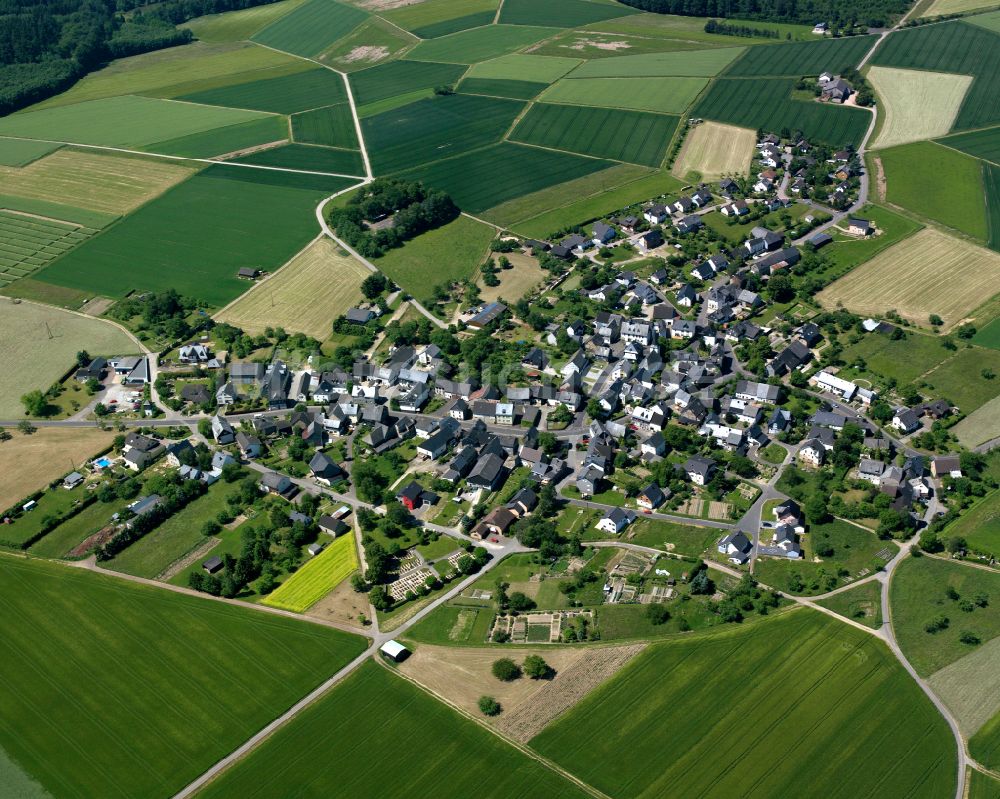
(496,227)
(350,101)
(411,34)
(109,148)
(984,159)
(570,152)
(524,749)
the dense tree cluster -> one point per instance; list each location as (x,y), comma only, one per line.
(46,45)
(413,209)
(875,13)
(727,29)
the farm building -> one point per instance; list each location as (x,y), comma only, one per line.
(394,651)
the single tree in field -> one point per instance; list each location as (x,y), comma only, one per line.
(34,403)
(489,706)
(373,285)
(536,668)
(26,427)
(506,670)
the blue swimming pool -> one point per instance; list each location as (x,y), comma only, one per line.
(104,463)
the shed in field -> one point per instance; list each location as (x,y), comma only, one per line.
(395,651)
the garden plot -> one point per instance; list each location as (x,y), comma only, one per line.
(305,296)
(712,150)
(917,104)
(908,278)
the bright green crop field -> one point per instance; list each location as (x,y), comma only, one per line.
(666,95)
(479,44)
(121,121)
(119,690)
(633,136)
(287,94)
(195,237)
(519,66)
(983,144)
(446,755)
(984,746)
(231,139)
(488,177)
(432,129)
(513,89)
(312,27)
(991,183)
(938,183)
(708,716)
(980,525)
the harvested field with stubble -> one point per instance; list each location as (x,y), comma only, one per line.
(917,104)
(305,296)
(980,426)
(515,283)
(713,150)
(28,463)
(908,276)
(971,687)
(115,184)
(569,687)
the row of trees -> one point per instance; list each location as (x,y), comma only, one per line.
(843,14)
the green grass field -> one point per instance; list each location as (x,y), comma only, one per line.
(984,746)
(767,103)
(309,157)
(633,136)
(196,236)
(176,70)
(519,66)
(846,253)
(287,94)
(861,604)
(374,41)
(447,755)
(488,177)
(956,47)
(176,537)
(21,152)
(400,78)
(430,130)
(512,89)
(595,206)
(983,143)
(853,548)
(980,525)
(318,577)
(716,731)
(53,503)
(917,594)
(666,95)
(122,121)
(27,244)
(692,63)
(222,141)
(333,126)
(479,44)
(39,344)
(452,252)
(311,28)
(983,786)
(234,26)
(902,360)
(802,58)
(960,379)
(937,183)
(143,689)
(560,13)
(988,336)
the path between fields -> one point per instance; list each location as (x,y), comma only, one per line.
(377,640)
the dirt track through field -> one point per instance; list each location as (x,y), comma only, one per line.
(570,686)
